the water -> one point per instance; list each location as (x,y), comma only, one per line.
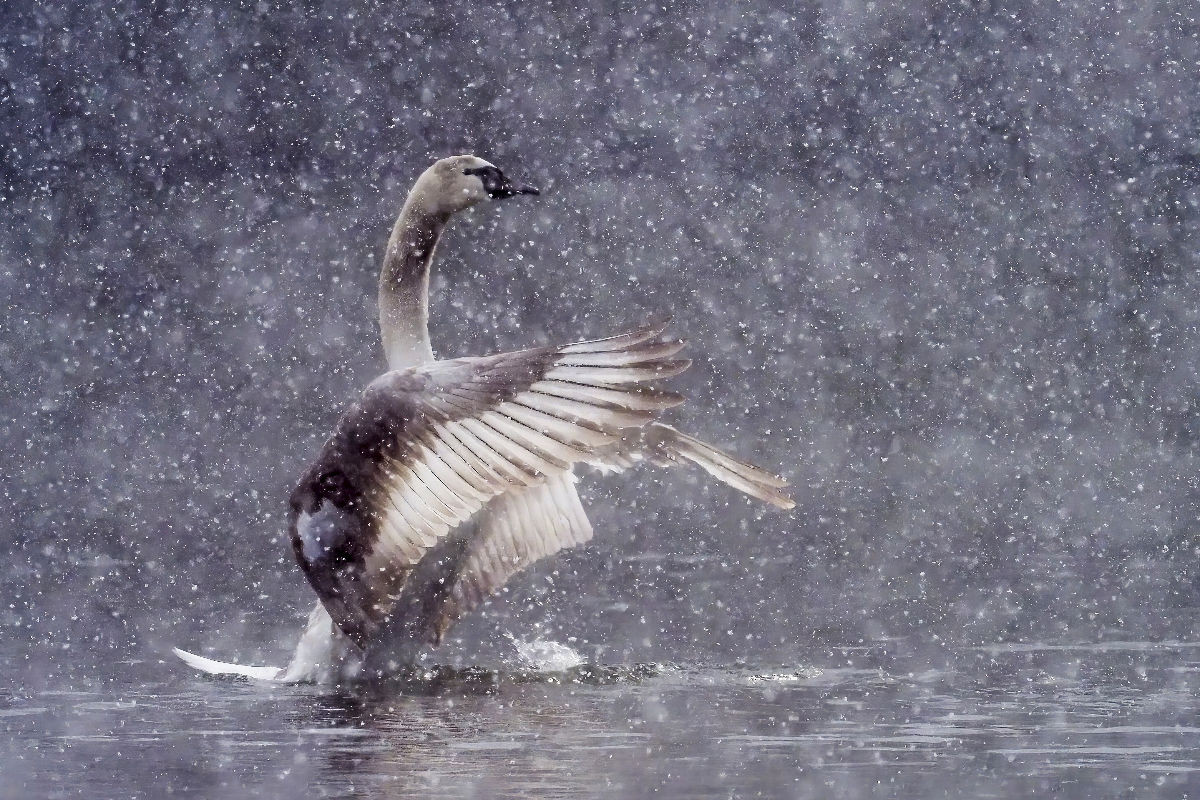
(1116,719)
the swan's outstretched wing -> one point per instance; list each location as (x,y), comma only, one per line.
(426,448)
(520,528)
(514,531)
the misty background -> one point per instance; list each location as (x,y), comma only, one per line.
(936,263)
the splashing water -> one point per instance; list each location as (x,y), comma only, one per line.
(544,655)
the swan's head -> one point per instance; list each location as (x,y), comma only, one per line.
(456,183)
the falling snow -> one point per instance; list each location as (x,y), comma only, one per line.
(936,262)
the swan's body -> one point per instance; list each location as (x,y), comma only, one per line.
(448,477)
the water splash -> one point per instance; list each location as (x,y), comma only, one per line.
(794,676)
(545,655)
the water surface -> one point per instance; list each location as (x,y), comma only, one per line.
(1114,719)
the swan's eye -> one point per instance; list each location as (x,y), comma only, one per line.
(493,179)
(487,176)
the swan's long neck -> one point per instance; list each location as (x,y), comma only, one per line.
(404,284)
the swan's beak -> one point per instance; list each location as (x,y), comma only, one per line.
(506,188)
(497,184)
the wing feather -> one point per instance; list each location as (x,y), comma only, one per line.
(619,358)
(634,399)
(626,374)
(545,405)
(621,340)
(517,530)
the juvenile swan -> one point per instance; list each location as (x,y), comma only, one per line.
(446,478)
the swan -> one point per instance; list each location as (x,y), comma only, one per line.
(446,478)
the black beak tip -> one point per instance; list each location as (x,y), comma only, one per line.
(528,190)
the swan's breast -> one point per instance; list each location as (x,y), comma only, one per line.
(322,532)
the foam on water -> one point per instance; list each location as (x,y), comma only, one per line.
(544,655)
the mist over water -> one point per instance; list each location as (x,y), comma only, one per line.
(936,263)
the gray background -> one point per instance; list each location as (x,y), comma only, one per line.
(937,264)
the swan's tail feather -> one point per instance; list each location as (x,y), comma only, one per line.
(213,667)
(672,445)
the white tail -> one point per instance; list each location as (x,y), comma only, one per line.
(322,655)
(224,668)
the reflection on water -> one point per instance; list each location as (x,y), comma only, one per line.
(1103,721)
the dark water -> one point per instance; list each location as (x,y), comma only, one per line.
(1117,719)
